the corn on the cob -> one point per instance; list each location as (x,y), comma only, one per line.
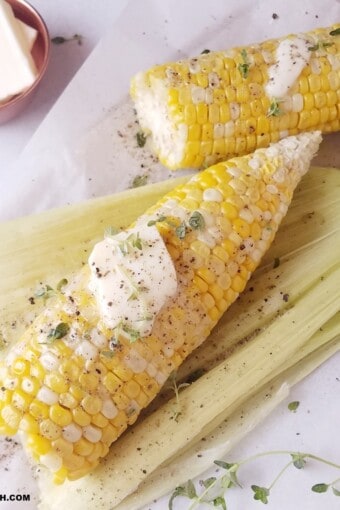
(226,103)
(59,386)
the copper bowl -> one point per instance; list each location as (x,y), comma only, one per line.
(40,53)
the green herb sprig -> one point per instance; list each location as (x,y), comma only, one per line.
(141,139)
(336,31)
(215,488)
(58,332)
(175,387)
(274,109)
(320,46)
(244,66)
(139,180)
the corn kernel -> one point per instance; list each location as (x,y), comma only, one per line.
(131,389)
(69,370)
(11,416)
(81,417)
(120,422)
(29,424)
(21,400)
(214,314)
(91,404)
(38,409)
(62,447)
(99,420)
(60,415)
(83,447)
(68,400)
(38,444)
(238,283)
(96,453)
(110,434)
(89,381)
(20,367)
(216,291)
(142,399)
(120,400)
(49,429)
(208,300)
(77,392)
(201,284)
(73,461)
(56,382)
(206,275)
(30,385)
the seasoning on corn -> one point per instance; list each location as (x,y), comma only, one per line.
(72,396)
(226,103)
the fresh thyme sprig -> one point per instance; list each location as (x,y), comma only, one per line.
(216,487)
(274,109)
(244,66)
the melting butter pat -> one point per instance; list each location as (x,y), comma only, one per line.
(17,67)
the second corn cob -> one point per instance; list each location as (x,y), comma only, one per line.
(221,104)
(73,385)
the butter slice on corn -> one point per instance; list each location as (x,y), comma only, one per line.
(70,399)
(206,109)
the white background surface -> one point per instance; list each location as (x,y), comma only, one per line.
(147,33)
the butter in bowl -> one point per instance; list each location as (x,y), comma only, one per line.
(24,54)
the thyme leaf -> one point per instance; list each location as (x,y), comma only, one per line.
(336,31)
(141,139)
(292,406)
(59,39)
(320,46)
(274,108)
(58,332)
(205,52)
(196,221)
(181,230)
(245,65)
(139,180)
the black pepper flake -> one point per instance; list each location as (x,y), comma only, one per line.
(285,298)
(275,16)
(31,300)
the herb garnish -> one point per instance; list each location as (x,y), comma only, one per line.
(320,46)
(45,292)
(141,139)
(181,230)
(132,333)
(216,487)
(58,332)
(62,284)
(292,406)
(204,52)
(111,231)
(59,39)
(245,65)
(196,221)
(139,180)
(336,31)
(151,223)
(274,109)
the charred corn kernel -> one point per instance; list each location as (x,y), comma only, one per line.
(72,411)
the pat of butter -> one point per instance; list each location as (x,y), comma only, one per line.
(18,70)
(30,33)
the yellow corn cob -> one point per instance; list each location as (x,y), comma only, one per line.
(207,109)
(72,397)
